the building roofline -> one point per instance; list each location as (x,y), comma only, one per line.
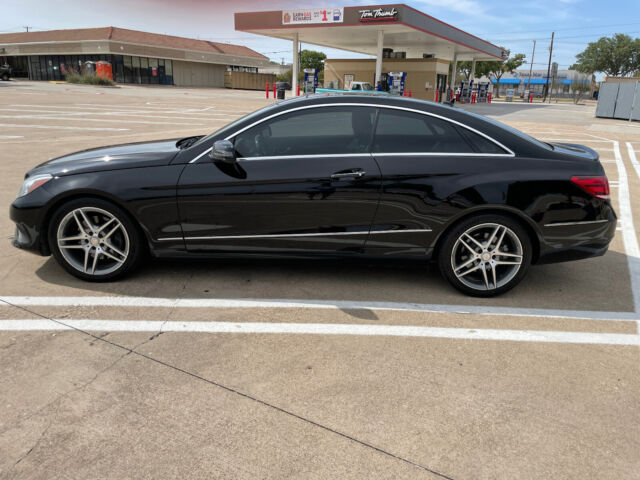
(110,33)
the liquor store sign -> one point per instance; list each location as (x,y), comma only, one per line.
(312,15)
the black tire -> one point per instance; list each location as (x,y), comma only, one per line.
(471,279)
(5,77)
(126,239)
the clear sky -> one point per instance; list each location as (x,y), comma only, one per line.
(513,24)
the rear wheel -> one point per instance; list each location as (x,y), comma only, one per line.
(5,77)
(94,240)
(486,255)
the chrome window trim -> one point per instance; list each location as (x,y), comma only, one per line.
(284,235)
(440,154)
(275,157)
(201,155)
(564,224)
(509,152)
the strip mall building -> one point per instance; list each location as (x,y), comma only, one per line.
(401,38)
(136,57)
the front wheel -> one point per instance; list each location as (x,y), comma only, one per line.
(5,77)
(486,255)
(94,240)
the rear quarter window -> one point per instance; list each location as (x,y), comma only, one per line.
(479,143)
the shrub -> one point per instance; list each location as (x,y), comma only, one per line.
(90,79)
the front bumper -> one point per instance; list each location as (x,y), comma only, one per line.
(28,213)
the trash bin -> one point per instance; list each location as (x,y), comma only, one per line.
(280,94)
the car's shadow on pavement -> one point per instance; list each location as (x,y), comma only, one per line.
(599,284)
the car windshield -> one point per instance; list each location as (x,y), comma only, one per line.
(367,86)
(232,125)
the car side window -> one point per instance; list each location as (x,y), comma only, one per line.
(313,131)
(400,131)
(480,144)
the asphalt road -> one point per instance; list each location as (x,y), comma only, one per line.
(269,369)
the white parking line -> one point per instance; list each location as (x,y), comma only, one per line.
(62,127)
(5,137)
(63,111)
(106,120)
(324,329)
(629,237)
(149,302)
(566,140)
(130,110)
(634,160)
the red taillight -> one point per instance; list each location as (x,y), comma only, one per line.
(596,186)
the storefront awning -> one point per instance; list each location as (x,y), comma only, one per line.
(507,81)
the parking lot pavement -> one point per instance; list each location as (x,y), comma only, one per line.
(245,369)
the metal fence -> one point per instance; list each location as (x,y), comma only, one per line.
(619,100)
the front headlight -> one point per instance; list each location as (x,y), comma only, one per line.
(31,183)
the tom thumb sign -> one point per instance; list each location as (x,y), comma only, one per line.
(378,14)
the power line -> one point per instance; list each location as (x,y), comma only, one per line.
(564,29)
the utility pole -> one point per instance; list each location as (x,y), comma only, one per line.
(533,54)
(26,28)
(546,90)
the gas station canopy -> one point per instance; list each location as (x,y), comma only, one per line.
(357,29)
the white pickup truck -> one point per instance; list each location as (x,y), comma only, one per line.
(353,87)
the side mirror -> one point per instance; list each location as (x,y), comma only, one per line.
(223,151)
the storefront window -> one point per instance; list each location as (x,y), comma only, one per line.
(136,70)
(169,72)
(128,69)
(153,70)
(144,70)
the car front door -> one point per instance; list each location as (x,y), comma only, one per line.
(304,182)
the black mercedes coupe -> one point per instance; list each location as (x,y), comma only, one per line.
(327,176)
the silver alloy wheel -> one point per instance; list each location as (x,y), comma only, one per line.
(486,256)
(93,241)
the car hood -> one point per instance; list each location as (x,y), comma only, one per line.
(131,155)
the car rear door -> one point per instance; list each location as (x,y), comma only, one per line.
(304,182)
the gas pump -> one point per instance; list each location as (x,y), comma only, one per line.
(396,82)
(483,90)
(310,80)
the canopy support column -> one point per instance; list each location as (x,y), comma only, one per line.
(454,70)
(379,57)
(294,72)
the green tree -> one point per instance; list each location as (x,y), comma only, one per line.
(464,68)
(579,86)
(498,68)
(312,59)
(614,56)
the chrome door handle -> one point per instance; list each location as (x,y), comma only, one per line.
(355,174)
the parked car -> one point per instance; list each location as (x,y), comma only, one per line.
(327,176)
(5,72)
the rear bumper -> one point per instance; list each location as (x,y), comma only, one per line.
(577,240)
